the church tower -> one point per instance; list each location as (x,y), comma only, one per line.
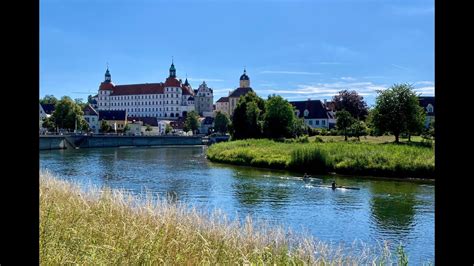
(108,77)
(244,80)
(172,70)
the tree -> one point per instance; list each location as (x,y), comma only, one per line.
(126,128)
(80,102)
(191,122)
(358,129)
(168,129)
(148,127)
(49,124)
(279,118)
(344,121)
(48,99)
(221,122)
(397,110)
(68,115)
(247,119)
(299,127)
(104,126)
(352,102)
(90,99)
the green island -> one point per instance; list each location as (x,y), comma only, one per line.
(373,156)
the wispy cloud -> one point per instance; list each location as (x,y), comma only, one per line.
(424,83)
(348,78)
(400,67)
(425,90)
(289,72)
(205,79)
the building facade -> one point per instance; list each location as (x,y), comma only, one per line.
(228,104)
(169,100)
(313,112)
(428,103)
(203,100)
(92,118)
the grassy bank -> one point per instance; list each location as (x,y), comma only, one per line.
(112,227)
(359,158)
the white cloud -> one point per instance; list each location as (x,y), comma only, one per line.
(348,78)
(289,72)
(424,83)
(425,90)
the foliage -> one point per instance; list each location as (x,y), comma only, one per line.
(221,123)
(68,114)
(126,128)
(49,124)
(90,99)
(192,122)
(358,129)
(352,102)
(104,126)
(148,127)
(80,102)
(49,99)
(168,129)
(429,133)
(344,121)
(342,157)
(397,111)
(247,119)
(300,128)
(279,118)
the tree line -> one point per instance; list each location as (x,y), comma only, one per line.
(396,112)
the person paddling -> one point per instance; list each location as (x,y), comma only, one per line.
(306,176)
(333,185)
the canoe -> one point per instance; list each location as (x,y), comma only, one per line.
(354,188)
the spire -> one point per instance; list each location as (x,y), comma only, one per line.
(186,83)
(108,77)
(172,69)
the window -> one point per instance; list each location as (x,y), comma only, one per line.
(317,122)
(323,122)
(429,108)
(306,112)
(310,122)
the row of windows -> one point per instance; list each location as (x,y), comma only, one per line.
(155,96)
(87,119)
(137,103)
(148,109)
(156,115)
(316,123)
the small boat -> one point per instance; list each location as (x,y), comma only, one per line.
(340,187)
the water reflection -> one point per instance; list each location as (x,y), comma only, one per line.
(393,206)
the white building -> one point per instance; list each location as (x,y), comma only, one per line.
(169,100)
(228,104)
(313,112)
(92,118)
(203,100)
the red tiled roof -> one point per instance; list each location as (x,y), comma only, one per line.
(106,86)
(172,82)
(147,88)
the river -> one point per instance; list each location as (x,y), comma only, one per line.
(395,211)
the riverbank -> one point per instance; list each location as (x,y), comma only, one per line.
(113,227)
(347,158)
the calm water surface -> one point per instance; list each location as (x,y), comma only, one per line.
(396,211)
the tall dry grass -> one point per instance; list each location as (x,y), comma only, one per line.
(97,226)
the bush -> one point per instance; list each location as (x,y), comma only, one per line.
(324,132)
(333,132)
(318,139)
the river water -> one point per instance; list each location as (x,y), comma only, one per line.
(394,211)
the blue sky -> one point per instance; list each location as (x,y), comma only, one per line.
(297,49)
